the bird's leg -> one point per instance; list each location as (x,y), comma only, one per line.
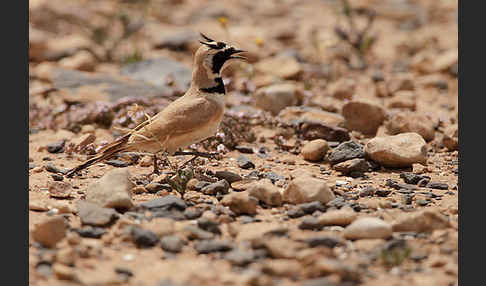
(188,161)
(197,154)
(166,159)
(156,166)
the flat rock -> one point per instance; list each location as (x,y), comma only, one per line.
(346,151)
(275,98)
(368,228)
(421,221)
(315,150)
(406,122)
(400,150)
(305,189)
(58,189)
(245,163)
(209,246)
(172,243)
(228,176)
(240,203)
(266,192)
(113,190)
(95,215)
(167,202)
(281,66)
(353,165)
(300,114)
(221,187)
(50,231)
(363,116)
(341,217)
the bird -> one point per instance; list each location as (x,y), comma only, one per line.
(191,118)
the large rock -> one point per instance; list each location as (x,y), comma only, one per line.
(368,228)
(315,150)
(50,231)
(240,203)
(400,150)
(346,151)
(306,189)
(113,190)
(266,192)
(363,116)
(422,221)
(95,215)
(411,122)
(276,97)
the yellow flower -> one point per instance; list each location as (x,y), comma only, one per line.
(259,41)
(223,21)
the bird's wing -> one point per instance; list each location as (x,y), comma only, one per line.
(183,116)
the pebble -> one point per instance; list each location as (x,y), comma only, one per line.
(352,166)
(208,225)
(192,213)
(63,272)
(451,137)
(144,238)
(245,163)
(368,228)
(58,189)
(117,163)
(277,97)
(167,203)
(363,116)
(230,177)
(240,257)
(95,215)
(56,147)
(209,246)
(57,177)
(438,186)
(367,191)
(382,192)
(310,222)
(305,189)
(411,178)
(346,151)
(244,149)
(193,232)
(315,150)
(113,190)
(81,142)
(221,187)
(50,231)
(420,221)
(400,150)
(266,192)
(89,231)
(341,217)
(327,241)
(240,203)
(311,207)
(172,243)
(52,169)
(154,187)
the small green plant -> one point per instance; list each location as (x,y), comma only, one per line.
(179,181)
(395,253)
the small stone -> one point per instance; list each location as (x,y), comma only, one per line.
(193,232)
(421,221)
(346,151)
(341,217)
(368,191)
(418,168)
(423,182)
(113,190)
(209,246)
(410,178)
(240,203)
(52,169)
(138,190)
(305,189)
(382,192)
(400,150)
(228,176)
(84,140)
(244,149)
(192,213)
(144,238)
(310,222)
(315,150)
(422,202)
(172,243)
(451,137)
(208,225)
(245,163)
(405,99)
(266,192)
(310,208)
(50,231)
(407,122)
(363,116)
(221,187)
(285,67)
(368,228)
(240,257)
(57,147)
(342,89)
(154,187)
(337,203)
(59,189)
(438,186)
(95,215)
(63,272)
(327,241)
(89,231)
(117,163)
(353,165)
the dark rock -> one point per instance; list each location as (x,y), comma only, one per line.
(158,72)
(95,215)
(57,177)
(52,169)
(154,187)
(422,202)
(423,182)
(172,243)
(144,238)
(397,186)
(167,203)
(367,191)
(318,130)
(208,225)
(244,149)
(90,231)
(200,185)
(346,151)
(338,203)
(209,246)
(411,178)
(309,208)
(273,177)
(438,186)
(192,213)
(407,199)
(123,271)
(295,212)
(194,232)
(327,241)
(221,187)
(228,176)
(240,257)
(310,222)
(382,192)
(117,163)
(245,163)
(57,147)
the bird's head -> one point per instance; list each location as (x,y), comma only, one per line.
(215,56)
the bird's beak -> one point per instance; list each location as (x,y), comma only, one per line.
(233,55)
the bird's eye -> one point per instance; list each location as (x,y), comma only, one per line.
(221,45)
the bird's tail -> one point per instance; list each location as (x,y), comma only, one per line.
(105,153)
